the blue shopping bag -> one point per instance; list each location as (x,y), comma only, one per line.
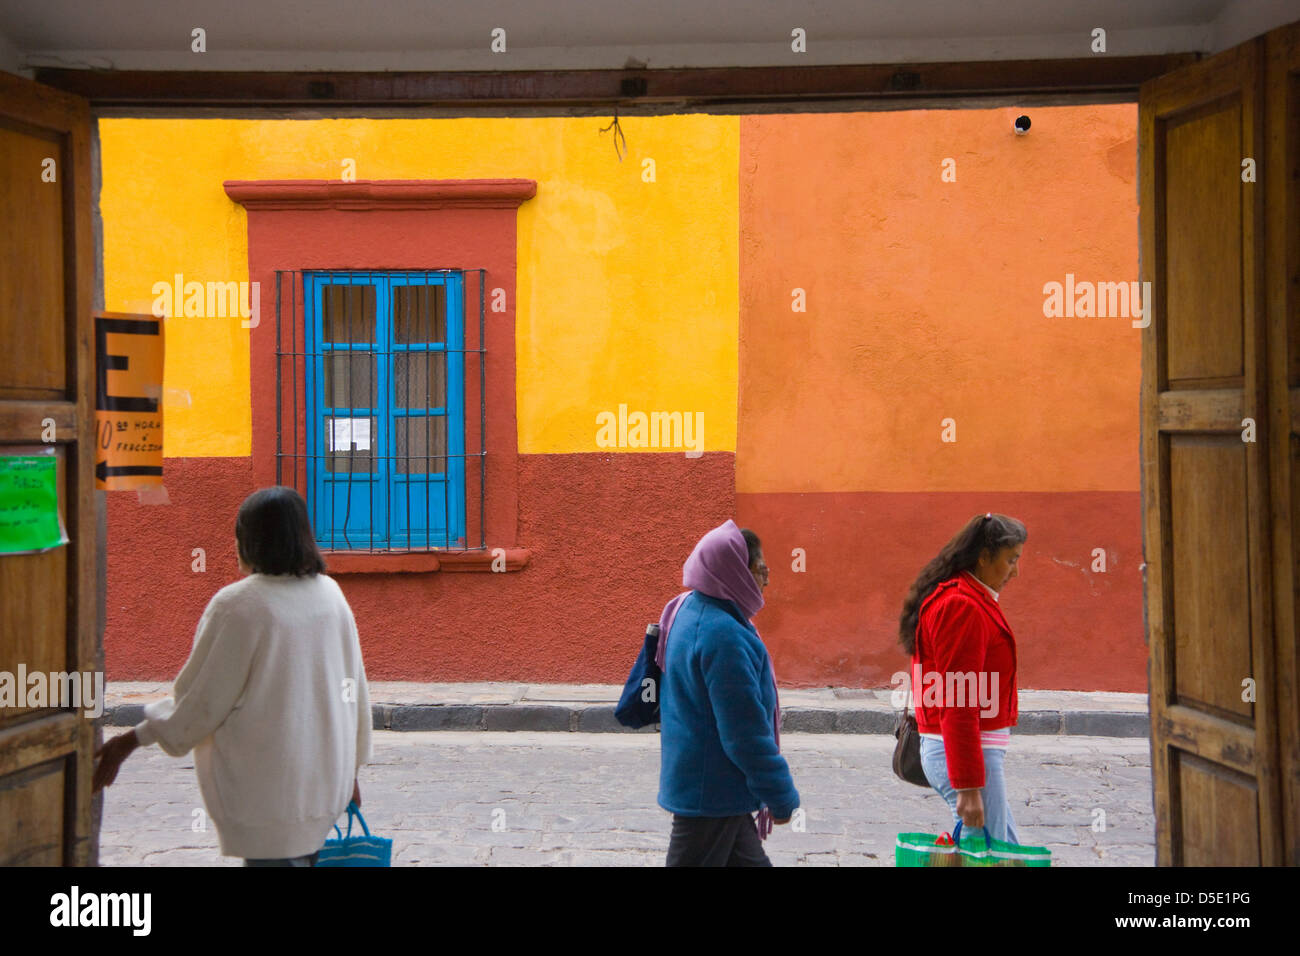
(356,850)
(639,705)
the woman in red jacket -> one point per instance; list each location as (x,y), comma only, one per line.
(964,669)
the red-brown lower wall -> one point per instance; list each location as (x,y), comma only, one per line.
(608,535)
(836,623)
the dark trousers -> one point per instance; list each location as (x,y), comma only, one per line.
(308,860)
(716,841)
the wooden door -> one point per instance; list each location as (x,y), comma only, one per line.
(1218,452)
(1282,305)
(47,600)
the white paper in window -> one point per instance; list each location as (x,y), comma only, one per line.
(348,433)
(341,434)
(361,433)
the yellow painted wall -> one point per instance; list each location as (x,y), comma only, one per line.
(628,290)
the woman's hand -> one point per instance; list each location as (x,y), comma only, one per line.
(111,755)
(970,807)
(356,792)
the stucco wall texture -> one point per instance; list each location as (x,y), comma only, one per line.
(607,533)
(924,305)
(822,427)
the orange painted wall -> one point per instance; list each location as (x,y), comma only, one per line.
(925,301)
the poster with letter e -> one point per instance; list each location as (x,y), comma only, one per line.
(128,401)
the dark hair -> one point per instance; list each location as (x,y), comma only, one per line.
(753,544)
(274,534)
(987,532)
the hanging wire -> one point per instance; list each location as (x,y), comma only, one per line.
(618,134)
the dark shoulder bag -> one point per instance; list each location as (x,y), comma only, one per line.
(907,752)
(639,705)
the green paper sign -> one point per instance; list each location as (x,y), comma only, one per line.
(29,505)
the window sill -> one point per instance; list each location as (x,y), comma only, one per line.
(424,562)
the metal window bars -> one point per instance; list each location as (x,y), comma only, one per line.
(373,405)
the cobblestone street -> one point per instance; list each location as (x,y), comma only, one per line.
(589,800)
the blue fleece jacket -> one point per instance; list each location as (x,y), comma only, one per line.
(718,751)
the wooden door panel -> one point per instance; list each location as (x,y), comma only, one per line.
(1210,795)
(1210,617)
(47,601)
(31,817)
(33,364)
(1282,266)
(34,613)
(1206,492)
(1220,740)
(1203,269)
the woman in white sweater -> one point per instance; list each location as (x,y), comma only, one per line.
(273,699)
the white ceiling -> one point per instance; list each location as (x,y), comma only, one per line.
(586,34)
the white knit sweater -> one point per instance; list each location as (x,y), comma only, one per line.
(273,702)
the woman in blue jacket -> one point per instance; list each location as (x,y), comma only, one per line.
(719,716)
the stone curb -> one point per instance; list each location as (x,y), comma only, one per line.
(599,718)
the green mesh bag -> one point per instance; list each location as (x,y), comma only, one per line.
(926,849)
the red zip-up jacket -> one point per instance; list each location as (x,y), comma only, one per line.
(963,645)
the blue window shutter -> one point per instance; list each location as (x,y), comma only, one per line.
(348,508)
(386,507)
(456,409)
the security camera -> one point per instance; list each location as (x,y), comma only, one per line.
(1022,125)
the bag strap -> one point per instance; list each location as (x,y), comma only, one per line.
(911,670)
(956,836)
(667,627)
(355,811)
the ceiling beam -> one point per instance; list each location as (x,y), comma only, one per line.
(689,87)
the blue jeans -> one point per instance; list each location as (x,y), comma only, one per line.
(997,811)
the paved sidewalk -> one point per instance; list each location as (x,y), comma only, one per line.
(589,708)
(589,800)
